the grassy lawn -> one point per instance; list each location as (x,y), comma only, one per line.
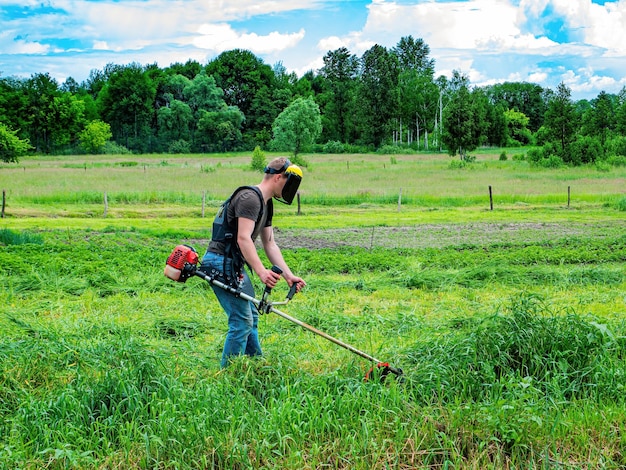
(508,323)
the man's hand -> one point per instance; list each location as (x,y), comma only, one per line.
(269,278)
(299,282)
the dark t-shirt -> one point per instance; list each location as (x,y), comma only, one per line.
(246,204)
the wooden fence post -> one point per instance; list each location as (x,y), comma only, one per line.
(399,199)
(4,200)
(106,204)
(490,198)
(568,195)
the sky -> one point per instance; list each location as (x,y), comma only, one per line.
(581,43)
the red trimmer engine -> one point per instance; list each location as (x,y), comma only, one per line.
(181,264)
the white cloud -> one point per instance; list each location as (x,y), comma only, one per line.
(600,25)
(586,81)
(10,45)
(537,77)
(221,37)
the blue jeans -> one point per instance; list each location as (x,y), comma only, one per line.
(243,316)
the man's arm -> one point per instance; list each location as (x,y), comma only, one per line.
(276,257)
(245,228)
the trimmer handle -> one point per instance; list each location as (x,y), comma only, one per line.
(292,291)
(268,289)
(264,306)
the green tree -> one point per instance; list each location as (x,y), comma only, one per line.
(202,93)
(497,133)
(527,98)
(11,146)
(561,120)
(126,103)
(65,120)
(94,136)
(377,95)
(267,104)
(189,69)
(175,120)
(517,127)
(221,129)
(298,126)
(219,125)
(417,92)
(242,76)
(480,110)
(600,119)
(459,135)
(620,113)
(413,55)
(340,71)
(14,105)
(41,90)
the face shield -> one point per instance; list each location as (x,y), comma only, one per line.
(294,177)
(293,174)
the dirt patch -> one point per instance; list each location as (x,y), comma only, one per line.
(437,235)
(442,235)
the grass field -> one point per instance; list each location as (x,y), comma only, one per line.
(508,323)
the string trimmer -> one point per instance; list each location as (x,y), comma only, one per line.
(182,264)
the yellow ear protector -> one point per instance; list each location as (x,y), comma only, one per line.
(293,173)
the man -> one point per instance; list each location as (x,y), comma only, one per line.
(243,217)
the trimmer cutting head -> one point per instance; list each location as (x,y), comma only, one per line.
(382,370)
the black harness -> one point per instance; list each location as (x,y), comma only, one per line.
(226,233)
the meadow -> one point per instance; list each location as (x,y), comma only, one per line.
(507,322)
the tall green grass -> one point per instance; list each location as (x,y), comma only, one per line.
(13,237)
(512,356)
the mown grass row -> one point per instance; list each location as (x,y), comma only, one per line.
(105,363)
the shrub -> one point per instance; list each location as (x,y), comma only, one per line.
(258,159)
(300,161)
(616,146)
(616,160)
(113,148)
(545,157)
(457,164)
(541,136)
(11,146)
(353,148)
(94,136)
(333,146)
(552,161)
(585,149)
(394,149)
(179,146)
(503,156)
(602,166)
(535,155)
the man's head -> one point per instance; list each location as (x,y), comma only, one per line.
(290,177)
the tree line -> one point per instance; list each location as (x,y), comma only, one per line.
(236,102)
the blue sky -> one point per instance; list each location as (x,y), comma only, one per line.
(579,42)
